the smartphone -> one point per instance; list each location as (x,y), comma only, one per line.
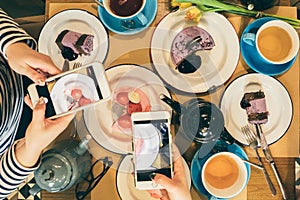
(72,91)
(152,147)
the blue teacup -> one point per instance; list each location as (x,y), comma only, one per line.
(269,46)
(126,11)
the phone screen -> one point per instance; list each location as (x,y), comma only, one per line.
(71,91)
(152,148)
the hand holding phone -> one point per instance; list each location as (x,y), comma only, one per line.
(72,91)
(152,147)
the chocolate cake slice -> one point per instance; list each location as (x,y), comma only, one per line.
(189,40)
(255,105)
(72,44)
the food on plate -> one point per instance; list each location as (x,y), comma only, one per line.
(134,107)
(138,146)
(255,105)
(124,121)
(127,100)
(122,98)
(76,98)
(187,42)
(72,44)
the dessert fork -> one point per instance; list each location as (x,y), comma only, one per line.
(76,65)
(250,137)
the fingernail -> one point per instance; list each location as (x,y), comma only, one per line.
(40,82)
(41,100)
(152,176)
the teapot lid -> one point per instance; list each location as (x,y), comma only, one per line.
(203,121)
(54,173)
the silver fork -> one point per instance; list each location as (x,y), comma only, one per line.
(76,65)
(251,138)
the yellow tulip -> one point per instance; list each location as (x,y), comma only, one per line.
(193,14)
(174,3)
(185,5)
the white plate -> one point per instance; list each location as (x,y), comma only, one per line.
(78,21)
(149,146)
(125,181)
(99,119)
(278,101)
(218,64)
(69,82)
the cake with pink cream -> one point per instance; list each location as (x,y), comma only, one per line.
(189,40)
(127,100)
(72,44)
(255,105)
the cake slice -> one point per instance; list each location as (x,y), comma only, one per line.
(255,105)
(72,44)
(189,40)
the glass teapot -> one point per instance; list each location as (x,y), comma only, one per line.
(201,124)
(62,166)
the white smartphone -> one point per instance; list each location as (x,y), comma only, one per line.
(72,91)
(152,147)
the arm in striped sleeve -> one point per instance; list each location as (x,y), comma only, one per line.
(11,32)
(12,173)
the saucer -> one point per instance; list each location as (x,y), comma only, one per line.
(114,24)
(255,63)
(197,163)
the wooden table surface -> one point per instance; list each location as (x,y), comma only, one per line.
(284,150)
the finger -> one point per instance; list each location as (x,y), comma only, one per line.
(178,166)
(165,195)
(175,152)
(62,122)
(155,194)
(164,181)
(38,114)
(34,75)
(46,65)
(28,101)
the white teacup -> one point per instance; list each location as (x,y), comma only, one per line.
(126,10)
(276,42)
(224,175)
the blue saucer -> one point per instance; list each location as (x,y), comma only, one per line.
(114,24)
(256,64)
(197,164)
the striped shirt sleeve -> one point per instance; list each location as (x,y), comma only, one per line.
(12,173)
(11,32)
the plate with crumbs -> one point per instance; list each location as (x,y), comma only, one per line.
(75,35)
(217,63)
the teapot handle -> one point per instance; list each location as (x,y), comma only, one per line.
(173,104)
(34,190)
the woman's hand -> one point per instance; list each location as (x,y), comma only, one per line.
(26,61)
(39,134)
(176,188)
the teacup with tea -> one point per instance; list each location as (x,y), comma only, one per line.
(224,175)
(126,10)
(276,42)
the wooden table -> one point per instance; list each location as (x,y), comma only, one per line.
(284,150)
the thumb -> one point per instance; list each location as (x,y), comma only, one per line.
(38,114)
(166,182)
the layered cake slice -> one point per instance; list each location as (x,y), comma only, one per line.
(189,40)
(72,44)
(255,105)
